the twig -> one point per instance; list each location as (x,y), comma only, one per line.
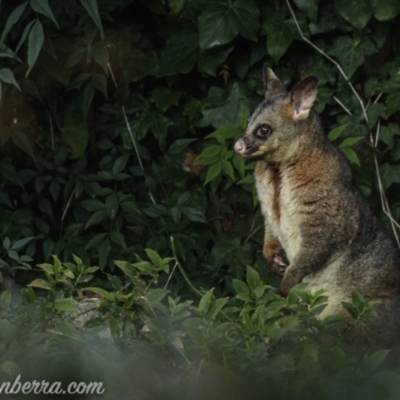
(377,98)
(180,351)
(330,59)
(170,275)
(128,127)
(181,268)
(51,132)
(342,105)
(199,370)
(385,205)
(68,204)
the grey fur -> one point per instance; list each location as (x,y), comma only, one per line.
(313,209)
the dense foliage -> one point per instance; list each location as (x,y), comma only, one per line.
(117,125)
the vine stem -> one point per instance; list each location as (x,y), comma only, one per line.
(128,127)
(337,65)
(384,202)
(181,268)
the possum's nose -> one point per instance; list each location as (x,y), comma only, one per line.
(240,146)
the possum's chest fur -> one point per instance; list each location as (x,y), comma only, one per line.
(281,209)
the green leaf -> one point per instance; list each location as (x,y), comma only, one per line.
(351,309)
(65,305)
(14,16)
(154,257)
(92,9)
(118,238)
(74,133)
(389,174)
(164,98)
(229,250)
(41,284)
(210,151)
(112,205)
(120,164)
(7,76)
(93,205)
(351,155)
(213,58)
(102,292)
(87,98)
(96,218)
(393,103)
(180,54)
(216,306)
(223,133)
(385,10)
(333,322)
(24,35)
(376,359)
(115,326)
(336,132)
(24,142)
(358,13)
(350,141)
(146,268)
(7,243)
(153,121)
(213,172)
(358,300)
(280,34)
(179,145)
(205,301)
(225,107)
(228,169)
(43,7)
(240,286)
(104,251)
(350,52)
(19,244)
(127,268)
(99,81)
(156,295)
(239,164)
(310,7)
(35,44)
(194,214)
(5,300)
(253,279)
(222,20)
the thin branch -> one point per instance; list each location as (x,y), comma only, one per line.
(51,132)
(68,204)
(170,275)
(377,98)
(384,202)
(181,268)
(330,59)
(342,105)
(128,127)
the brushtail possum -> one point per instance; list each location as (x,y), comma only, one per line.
(314,211)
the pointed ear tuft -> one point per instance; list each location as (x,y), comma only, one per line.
(272,84)
(303,96)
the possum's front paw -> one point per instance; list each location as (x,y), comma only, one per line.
(278,265)
(288,281)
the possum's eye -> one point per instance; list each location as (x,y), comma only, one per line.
(263,131)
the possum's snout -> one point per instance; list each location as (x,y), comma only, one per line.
(240,147)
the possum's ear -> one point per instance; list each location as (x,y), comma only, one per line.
(272,84)
(302,97)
